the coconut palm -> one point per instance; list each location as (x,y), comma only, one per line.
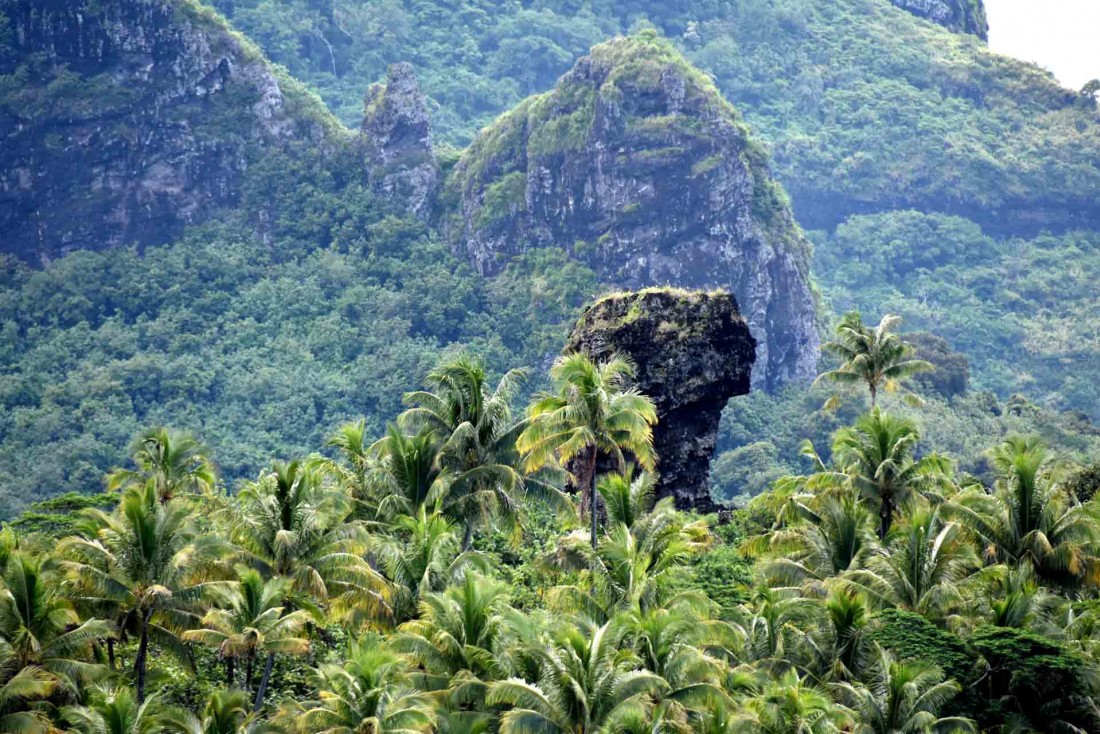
(478,434)
(174,463)
(587,683)
(920,566)
(225,712)
(457,638)
(591,412)
(844,641)
(876,357)
(876,458)
(116,711)
(789,704)
(1030,519)
(406,474)
(144,562)
(421,555)
(902,698)
(824,535)
(40,628)
(371,691)
(290,524)
(354,465)
(249,621)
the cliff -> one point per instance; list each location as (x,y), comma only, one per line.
(637,165)
(396,134)
(121,121)
(962,16)
(692,352)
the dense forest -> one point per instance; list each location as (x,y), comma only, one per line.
(280,452)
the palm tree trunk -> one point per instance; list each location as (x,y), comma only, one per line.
(885,519)
(263,683)
(248,672)
(468,538)
(874,394)
(230,672)
(111,652)
(592,498)
(142,655)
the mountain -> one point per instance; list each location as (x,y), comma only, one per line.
(123,122)
(636,166)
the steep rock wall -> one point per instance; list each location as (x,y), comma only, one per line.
(121,121)
(636,165)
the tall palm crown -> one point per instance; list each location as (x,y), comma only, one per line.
(903,698)
(292,525)
(371,692)
(1029,518)
(143,561)
(876,458)
(874,356)
(406,474)
(249,619)
(478,435)
(174,463)
(587,683)
(592,411)
(39,626)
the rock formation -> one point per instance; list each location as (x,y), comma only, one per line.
(636,165)
(129,119)
(397,138)
(962,16)
(693,352)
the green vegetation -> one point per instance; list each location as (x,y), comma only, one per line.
(431,583)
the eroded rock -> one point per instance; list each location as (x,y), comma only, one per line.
(397,138)
(693,352)
(637,166)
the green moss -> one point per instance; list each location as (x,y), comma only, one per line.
(706,165)
(503,198)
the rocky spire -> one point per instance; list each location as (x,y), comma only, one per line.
(397,139)
(692,352)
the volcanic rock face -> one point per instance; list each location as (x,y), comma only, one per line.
(636,165)
(963,16)
(397,137)
(693,352)
(123,120)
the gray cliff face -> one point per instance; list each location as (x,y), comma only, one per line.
(962,16)
(397,140)
(692,352)
(134,118)
(636,165)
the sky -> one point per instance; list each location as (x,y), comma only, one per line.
(1061,35)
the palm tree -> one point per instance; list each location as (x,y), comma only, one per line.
(875,356)
(40,628)
(845,643)
(144,562)
(225,712)
(920,566)
(115,711)
(457,638)
(478,435)
(586,684)
(371,691)
(249,620)
(903,698)
(290,525)
(406,474)
(825,536)
(23,695)
(789,704)
(422,555)
(1030,519)
(350,442)
(591,411)
(172,462)
(876,459)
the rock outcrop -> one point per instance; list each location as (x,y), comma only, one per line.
(121,121)
(961,16)
(692,352)
(637,166)
(397,138)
